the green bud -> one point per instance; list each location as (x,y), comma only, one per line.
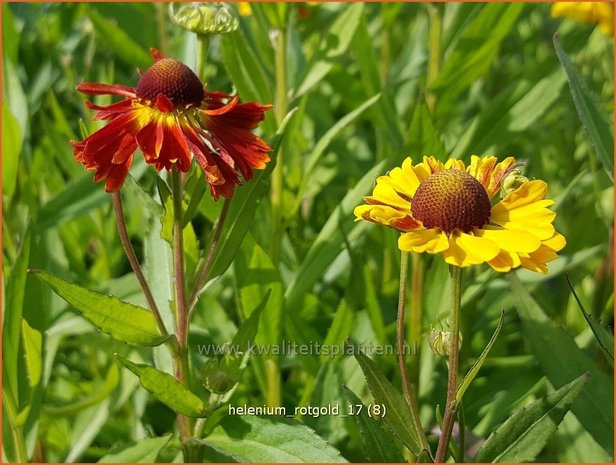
(220,376)
(439,342)
(204,18)
(511,182)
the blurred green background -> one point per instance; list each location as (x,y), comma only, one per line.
(365,97)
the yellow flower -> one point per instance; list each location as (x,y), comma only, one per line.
(587,12)
(446,208)
(244,8)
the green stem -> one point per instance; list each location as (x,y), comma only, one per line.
(209,259)
(203,43)
(455,279)
(18,434)
(435,12)
(404,373)
(134,263)
(415,303)
(182,372)
(280,110)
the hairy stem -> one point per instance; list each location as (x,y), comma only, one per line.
(134,263)
(404,373)
(181,360)
(455,279)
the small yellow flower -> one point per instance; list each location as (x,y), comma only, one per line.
(446,208)
(587,12)
(244,8)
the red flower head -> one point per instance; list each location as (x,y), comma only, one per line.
(171,118)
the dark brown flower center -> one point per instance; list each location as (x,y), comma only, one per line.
(174,80)
(450,200)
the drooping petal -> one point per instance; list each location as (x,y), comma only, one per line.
(423,240)
(231,132)
(387,216)
(94,88)
(466,249)
(510,240)
(505,261)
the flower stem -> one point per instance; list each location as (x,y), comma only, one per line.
(455,279)
(134,263)
(181,360)
(280,109)
(203,43)
(209,259)
(415,302)
(404,373)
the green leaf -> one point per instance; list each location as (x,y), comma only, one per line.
(319,149)
(525,433)
(605,338)
(398,414)
(470,376)
(77,198)
(330,242)
(12,317)
(591,115)
(12,138)
(121,320)
(248,329)
(120,42)
(166,389)
(334,44)
(142,451)
(33,349)
(561,360)
(378,444)
(474,52)
(513,110)
(98,393)
(256,439)
(423,138)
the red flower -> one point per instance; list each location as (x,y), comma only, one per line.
(172,119)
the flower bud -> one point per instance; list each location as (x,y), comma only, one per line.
(439,342)
(204,18)
(512,181)
(220,376)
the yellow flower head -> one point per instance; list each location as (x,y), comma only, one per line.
(447,208)
(587,12)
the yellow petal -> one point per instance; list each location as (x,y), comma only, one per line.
(387,216)
(556,242)
(505,261)
(423,240)
(385,193)
(524,209)
(511,240)
(466,249)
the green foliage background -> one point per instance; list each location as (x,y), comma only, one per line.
(357,81)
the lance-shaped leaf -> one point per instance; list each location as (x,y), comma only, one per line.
(591,115)
(470,376)
(525,433)
(121,320)
(166,389)
(398,414)
(141,451)
(378,444)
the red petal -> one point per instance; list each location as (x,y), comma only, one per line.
(222,109)
(164,104)
(94,88)
(156,54)
(110,111)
